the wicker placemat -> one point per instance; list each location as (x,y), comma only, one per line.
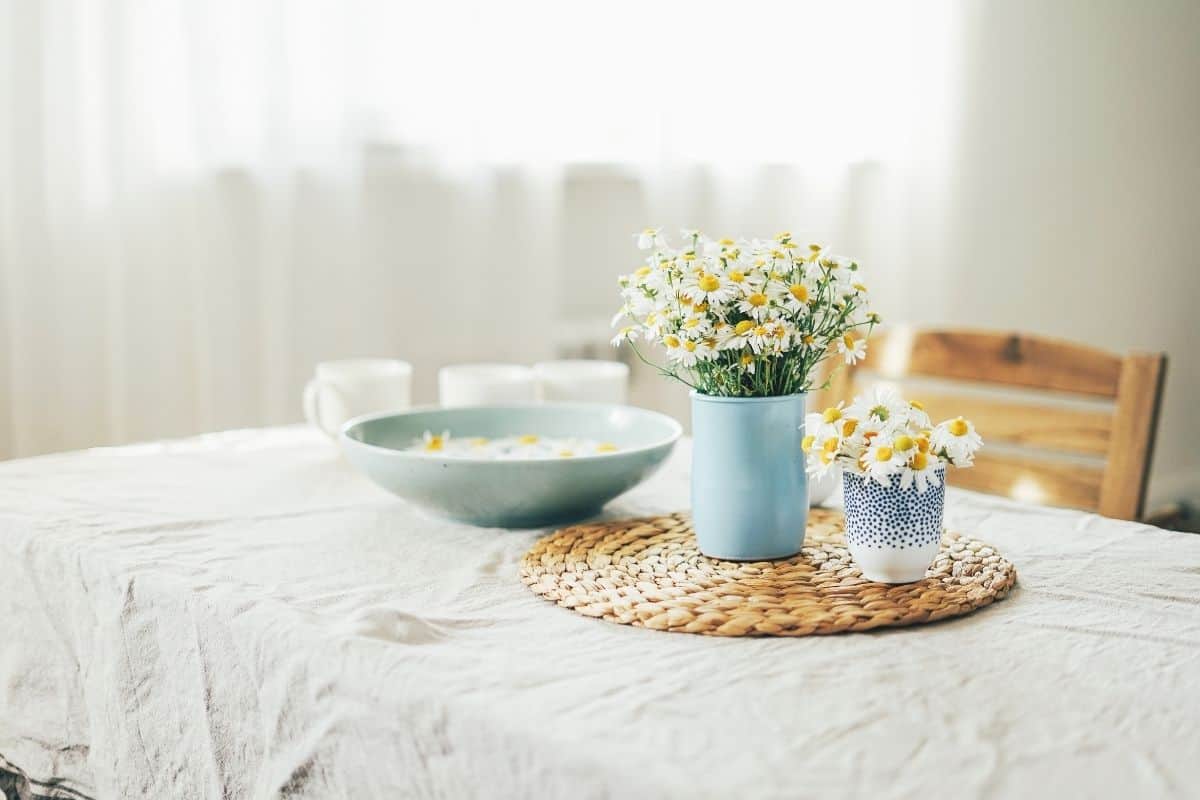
(648,572)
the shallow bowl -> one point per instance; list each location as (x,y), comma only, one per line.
(511,493)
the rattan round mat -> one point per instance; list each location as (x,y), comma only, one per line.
(648,572)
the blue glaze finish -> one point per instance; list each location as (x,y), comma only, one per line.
(749,488)
(514,493)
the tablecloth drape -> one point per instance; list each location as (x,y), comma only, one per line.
(242,615)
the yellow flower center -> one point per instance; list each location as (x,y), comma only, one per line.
(747,359)
(528,438)
(784,236)
(689,256)
(650,231)
(780,332)
(479,441)
(807,442)
(606,447)
(691,323)
(743,327)
(903,443)
(642,272)
(919,460)
(708,283)
(435,443)
(922,444)
(832,414)
(849,426)
(725,242)
(690,346)
(809,339)
(759,330)
(788,245)
(799,291)
(700,308)
(758,299)
(883,454)
(849,340)
(671,340)
(737,276)
(826,456)
(651,317)
(565,453)
(860,287)
(958,427)
(831,445)
(919,406)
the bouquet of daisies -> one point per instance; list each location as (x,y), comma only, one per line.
(881,435)
(744,318)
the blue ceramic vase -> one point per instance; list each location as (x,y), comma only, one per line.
(749,488)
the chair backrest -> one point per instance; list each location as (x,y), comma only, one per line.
(1063,424)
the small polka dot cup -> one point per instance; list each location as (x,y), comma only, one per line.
(893,534)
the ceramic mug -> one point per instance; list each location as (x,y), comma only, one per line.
(342,390)
(486,384)
(583,381)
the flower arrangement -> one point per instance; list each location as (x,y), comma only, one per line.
(744,318)
(881,435)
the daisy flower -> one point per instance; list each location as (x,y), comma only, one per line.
(880,462)
(882,403)
(852,348)
(922,470)
(650,238)
(956,440)
(434,442)
(629,333)
(707,287)
(756,305)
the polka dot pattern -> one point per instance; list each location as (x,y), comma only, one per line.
(888,517)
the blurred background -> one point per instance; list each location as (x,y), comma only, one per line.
(200,200)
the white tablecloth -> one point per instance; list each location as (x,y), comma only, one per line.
(242,615)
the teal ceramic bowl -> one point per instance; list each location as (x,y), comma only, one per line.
(514,493)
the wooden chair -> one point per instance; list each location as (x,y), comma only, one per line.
(1063,424)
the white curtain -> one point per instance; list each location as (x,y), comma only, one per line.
(199,200)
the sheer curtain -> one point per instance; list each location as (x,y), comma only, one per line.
(198,200)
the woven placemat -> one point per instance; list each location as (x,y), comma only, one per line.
(648,572)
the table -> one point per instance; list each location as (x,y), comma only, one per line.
(242,615)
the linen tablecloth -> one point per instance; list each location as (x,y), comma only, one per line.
(242,615)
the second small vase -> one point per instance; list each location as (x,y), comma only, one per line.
(749,488)
(893,534)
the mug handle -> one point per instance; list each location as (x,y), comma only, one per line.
(312,404)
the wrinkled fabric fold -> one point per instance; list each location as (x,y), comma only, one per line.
(242,615)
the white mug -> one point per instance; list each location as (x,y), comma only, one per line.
(583,381)
(486,384)
(342,390)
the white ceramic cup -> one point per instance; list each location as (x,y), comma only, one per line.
(342,390)
(583,381)
(486,384)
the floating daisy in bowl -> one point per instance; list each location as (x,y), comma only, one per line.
(518,447)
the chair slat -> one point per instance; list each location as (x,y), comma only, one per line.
(1060,428)
(1127,472)
(1044,482)
(1003,358)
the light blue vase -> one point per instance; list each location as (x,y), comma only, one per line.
(749,488)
